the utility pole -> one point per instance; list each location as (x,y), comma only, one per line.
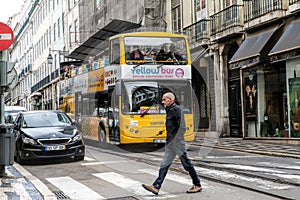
(7,139)
(3,77)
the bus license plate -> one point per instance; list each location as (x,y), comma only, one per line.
(159,141)
(54,148)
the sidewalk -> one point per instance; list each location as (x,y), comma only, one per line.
(20,184)
(252,146)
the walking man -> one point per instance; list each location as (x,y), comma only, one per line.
(175,127)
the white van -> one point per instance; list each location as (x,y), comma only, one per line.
(11,112)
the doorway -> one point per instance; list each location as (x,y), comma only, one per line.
(235,108)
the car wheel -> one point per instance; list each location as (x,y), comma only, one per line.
(18,158)
(78,158)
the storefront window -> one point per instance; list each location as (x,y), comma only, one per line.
(293,78)
(265,101)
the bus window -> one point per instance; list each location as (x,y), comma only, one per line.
(115,52)
(147,95)
(164,46)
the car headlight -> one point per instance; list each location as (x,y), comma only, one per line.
(28,140)
(77,138)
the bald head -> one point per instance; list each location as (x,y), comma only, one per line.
(168,99)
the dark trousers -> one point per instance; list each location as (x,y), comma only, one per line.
(176,147)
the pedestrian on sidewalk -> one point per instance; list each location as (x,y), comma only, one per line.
(175,145)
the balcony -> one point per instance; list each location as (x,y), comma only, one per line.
(198,32)
(261,12)
(46,81)
(227,22)
(294,6)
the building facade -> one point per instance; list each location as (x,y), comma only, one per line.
(244,53)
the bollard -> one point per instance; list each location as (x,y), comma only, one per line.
(7,147)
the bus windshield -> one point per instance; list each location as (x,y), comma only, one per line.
(155,50)
(146,97)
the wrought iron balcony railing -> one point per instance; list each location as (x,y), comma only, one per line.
(198,31)
(228,18)
(257,8)
(45,81)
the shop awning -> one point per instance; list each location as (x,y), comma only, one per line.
(97,42)
(289,40)
(251,49)
(35,94)
(198,54)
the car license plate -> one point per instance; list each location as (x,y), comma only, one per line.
(54,148)
(159,141)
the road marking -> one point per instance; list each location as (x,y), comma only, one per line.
(128,184)
(288,176)
(89,159)
(74,189)
(281,165)
(103,163)
(251,168)
(227,157)
(223,175)
(173,177)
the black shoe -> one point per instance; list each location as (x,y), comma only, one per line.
(151,188)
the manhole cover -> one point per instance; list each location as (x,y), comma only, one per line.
(61,195)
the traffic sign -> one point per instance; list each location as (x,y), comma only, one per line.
(6,36)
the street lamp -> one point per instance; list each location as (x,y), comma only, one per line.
(50,59)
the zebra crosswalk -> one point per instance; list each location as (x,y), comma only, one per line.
(118,178)
(77,191)
(73,188)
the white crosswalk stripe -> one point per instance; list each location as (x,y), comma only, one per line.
(74,189)
(173,177)
(129,184)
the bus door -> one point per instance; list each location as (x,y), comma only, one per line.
(113,116)
(78,108)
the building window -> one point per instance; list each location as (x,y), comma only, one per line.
(58,28)
(69,4)
(70,38)
(76,30)
(201,10)
(54,32)
(176,15)
(63,23)
(49,34)
(265,101)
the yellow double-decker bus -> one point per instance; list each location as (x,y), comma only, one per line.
(118,100)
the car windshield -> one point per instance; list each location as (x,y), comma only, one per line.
(51,119)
